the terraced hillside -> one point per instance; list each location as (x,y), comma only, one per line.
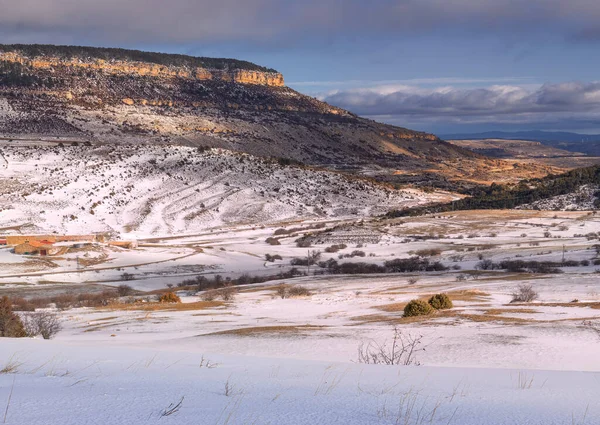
(152,190)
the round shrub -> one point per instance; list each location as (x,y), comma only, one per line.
(417,308)
(440,302)
(169,297)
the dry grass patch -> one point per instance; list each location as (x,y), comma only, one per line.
(265,330)
(497,311)
(468,295)
(430,319)
(392,308)
(371,318)
(104,319)
(483,318)
(199,305)
(595,304)
(257,289)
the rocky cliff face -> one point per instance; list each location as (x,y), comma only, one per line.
(115,96)
(142,69)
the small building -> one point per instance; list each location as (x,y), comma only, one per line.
(34,248)
(20,239)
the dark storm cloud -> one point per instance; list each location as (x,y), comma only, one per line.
(576,101)
(164,21)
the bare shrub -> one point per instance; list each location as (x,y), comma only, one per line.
(412,280)
(298,291)
(486,264)
(209,295)
(124,290)
(281,291)
(44,323)
(524,294)
(401,351)
(227,293)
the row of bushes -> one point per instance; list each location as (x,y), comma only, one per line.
(399,265)
(522,266)
(204,283)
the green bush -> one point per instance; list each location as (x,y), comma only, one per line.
(440,302)
(417,308)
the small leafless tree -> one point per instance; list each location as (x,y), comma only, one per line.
(44,323)
(124,290)
(401,351)
(524,294)
(227,293)
(281,291)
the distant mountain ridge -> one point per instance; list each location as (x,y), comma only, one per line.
(535,135)
(588,144)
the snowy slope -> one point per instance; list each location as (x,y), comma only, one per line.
(80,385)
(583,199)
(152,190)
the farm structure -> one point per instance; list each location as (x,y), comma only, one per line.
(21,239)
(42,248)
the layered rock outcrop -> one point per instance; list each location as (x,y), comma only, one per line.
(240,76)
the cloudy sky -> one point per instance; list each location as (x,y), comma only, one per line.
(434,65)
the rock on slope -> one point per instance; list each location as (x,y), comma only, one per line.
(152,190)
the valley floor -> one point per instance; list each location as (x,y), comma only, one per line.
(261,359)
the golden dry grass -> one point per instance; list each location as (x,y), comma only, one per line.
(262,330)
(482,318)
(433,319)
(199,305)
(104,319)
(497,311)
(594,305)
(392,308)
(468,295)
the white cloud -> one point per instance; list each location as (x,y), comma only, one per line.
(571,101)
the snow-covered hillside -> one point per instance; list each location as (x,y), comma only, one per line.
(583,199)
(148,190)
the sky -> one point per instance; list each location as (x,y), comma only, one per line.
(441,66)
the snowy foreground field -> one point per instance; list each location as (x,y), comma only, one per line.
(263,359)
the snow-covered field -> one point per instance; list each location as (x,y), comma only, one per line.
(261,359)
